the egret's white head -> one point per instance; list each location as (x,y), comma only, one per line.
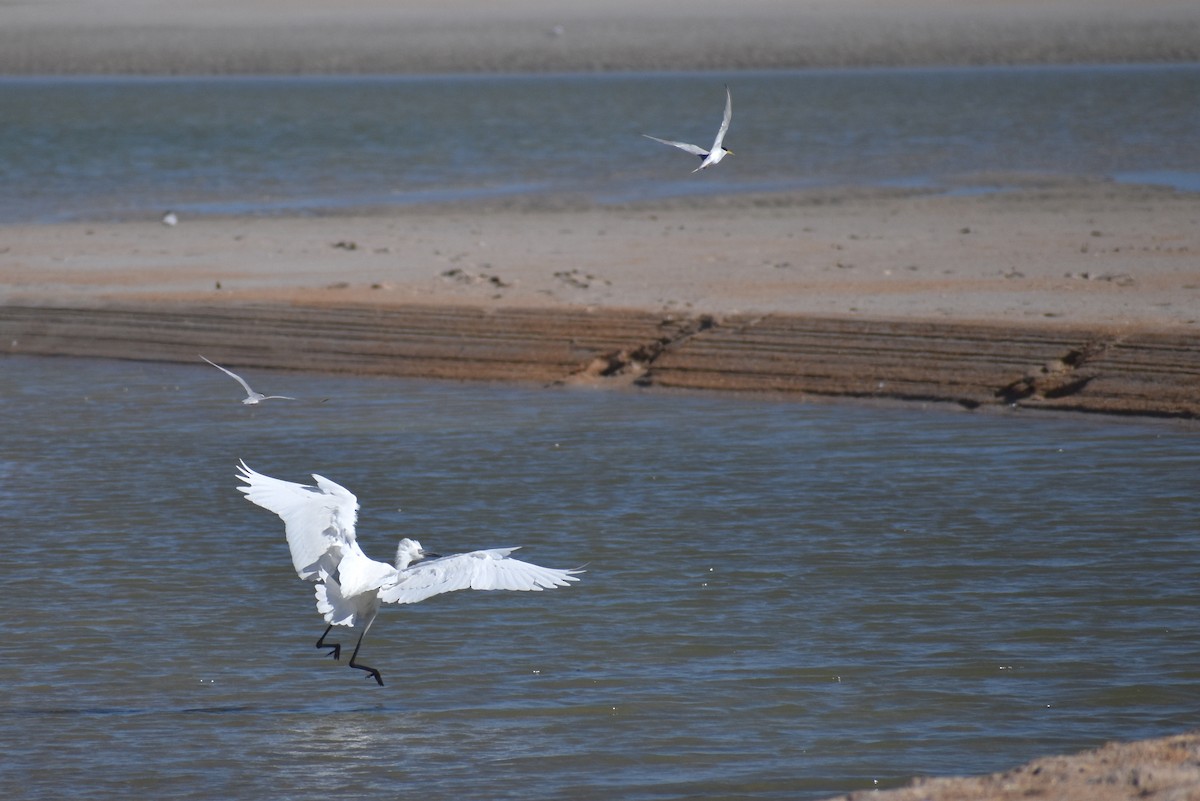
(409,552)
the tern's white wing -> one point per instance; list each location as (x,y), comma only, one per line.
(724,122)
(479,570)
(695,150)
(319,520)
(234,376)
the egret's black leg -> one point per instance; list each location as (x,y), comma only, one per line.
(369,670)
(335,649)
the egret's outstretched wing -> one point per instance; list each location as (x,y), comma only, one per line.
(231,374)
(695,150)
(725,122)
(492,569)
(319,520)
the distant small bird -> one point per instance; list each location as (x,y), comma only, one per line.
(718,151)
(170,218)
(319,522)
(252,397)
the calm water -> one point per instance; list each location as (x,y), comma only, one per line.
(782,600)
(100,148)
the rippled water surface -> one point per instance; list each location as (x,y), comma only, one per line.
(782,600)
(97,148)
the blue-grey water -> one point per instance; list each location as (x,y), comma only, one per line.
(782,600)
(101,148)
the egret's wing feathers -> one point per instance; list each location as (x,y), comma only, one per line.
(479,570)
(695,150)
(319,520)
(724,122)
(232,375)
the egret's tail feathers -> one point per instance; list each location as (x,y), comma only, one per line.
(333,606)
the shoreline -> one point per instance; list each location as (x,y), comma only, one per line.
(972,366)
(1159,769)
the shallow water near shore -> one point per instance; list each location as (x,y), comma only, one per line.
(782,599)
(106,148)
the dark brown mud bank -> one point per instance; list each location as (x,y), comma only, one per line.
(974,365)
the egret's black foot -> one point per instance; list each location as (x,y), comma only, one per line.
(335,649)
(365,668)
(370,671)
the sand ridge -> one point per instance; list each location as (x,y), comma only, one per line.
(370,36)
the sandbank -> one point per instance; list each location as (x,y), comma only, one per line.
(1060,295)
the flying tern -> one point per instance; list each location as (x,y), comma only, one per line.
(714,154)
(252,397)
(350,586)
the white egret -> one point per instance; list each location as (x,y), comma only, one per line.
(252,397)
(319,522)
(714,154)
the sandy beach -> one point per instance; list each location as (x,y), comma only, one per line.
(1073,295)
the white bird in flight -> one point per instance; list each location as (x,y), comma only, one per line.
(252,397)
(714,154)
(319,522)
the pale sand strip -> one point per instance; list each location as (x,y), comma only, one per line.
(421,36)
(1097,255)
